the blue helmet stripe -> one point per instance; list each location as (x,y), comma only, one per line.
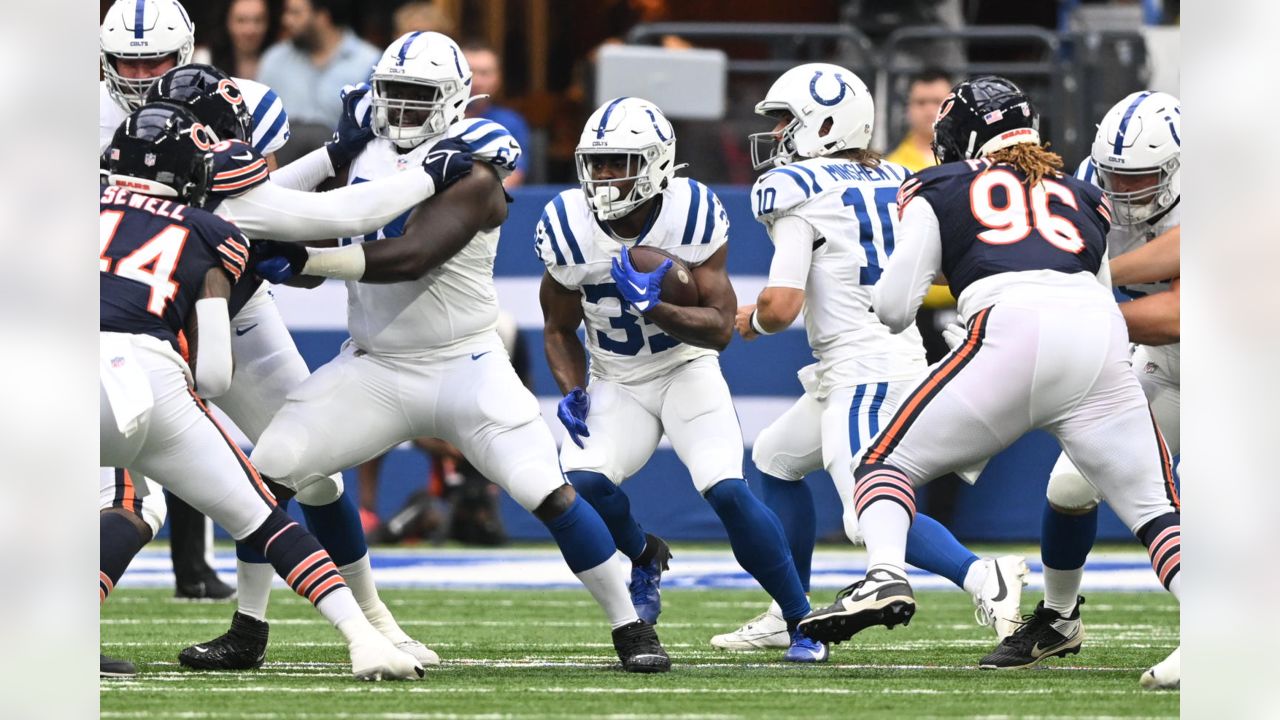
(264,107)
(569,238)
(1124,121)
(795,176)
(139,16)
(604,119)
(481,126)
(695,199)
(265,140)
(457,63)
(709,220)
(404,49)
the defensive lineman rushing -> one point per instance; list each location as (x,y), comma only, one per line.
(1023,248)
(424,357)
(166,268)
(830,207)
(653,365)
(1135,160)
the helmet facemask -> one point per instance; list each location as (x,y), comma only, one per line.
(1133,206)
(775,148)
(605,196)
(131,93)
(409,111)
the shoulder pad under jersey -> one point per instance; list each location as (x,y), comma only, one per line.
(490,142)
(555,240)
(270,121)
(237,169)
(782,189)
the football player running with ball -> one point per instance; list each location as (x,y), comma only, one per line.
(1135,159)
(654,365)
(830,206)
(1024,249)
(425,358)
(166,269)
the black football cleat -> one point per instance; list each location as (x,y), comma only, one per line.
(1042,634)
(109,667)
(883,597)
(208,587)
(639,648)
(243,647)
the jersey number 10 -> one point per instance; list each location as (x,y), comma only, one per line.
(883,197)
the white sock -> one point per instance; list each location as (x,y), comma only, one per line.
(884,527)
(607,583)
(776,609)
(1175,587)
(339,607)
(1061,587)
(976,576)
(359,577)
(253,588)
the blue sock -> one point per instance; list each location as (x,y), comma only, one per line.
(337,527)
(245,553)
(792,502)
(614,508)
(1065,540)
(759,544)
(932,547)
(583,537)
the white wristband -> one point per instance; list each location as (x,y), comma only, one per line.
(755,323)
(345,263)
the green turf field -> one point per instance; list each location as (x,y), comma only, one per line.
(546,654)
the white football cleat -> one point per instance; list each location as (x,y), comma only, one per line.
(420,652)
(374,658)
(766,630)
(998,604)
(1166,675)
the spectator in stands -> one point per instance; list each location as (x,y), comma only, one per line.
(240,38)
(422,16)
(927,91)
(319,55)
(486,70)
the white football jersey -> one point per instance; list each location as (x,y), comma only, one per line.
(270,122)
(448,309)
(855,213)
(626,347)
(1127,238)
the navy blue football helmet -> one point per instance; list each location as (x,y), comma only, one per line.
(211,95)
(981,116)
(161,149)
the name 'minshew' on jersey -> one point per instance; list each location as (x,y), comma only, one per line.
(624,345)
(991,223)
(854,211)
(452,303)
(270,121)
(153,257)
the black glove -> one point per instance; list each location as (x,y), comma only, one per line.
(277,262)
(448,162)
(355,127)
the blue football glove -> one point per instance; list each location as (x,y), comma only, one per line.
(639,289)
(572,411)
(278,262)
(448,162)
(355,125)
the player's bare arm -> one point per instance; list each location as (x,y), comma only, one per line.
(711,324)
(210,351)
(562,316)
(1156,261)
(1154,319)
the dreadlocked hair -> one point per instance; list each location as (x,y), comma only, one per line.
(1035,161)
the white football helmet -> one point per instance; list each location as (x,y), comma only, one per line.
(142,30)
(637,130)
(421,86)
(814,94)
(1140,138)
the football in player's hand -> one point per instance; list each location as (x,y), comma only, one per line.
(678,287)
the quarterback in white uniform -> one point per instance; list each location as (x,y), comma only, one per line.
(830,207)
(1135,159)
(425,358)
(654,366)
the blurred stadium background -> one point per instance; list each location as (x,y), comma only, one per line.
(559,60)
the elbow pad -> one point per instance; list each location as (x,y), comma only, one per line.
(213,353)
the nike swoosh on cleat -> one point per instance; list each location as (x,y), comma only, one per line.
(199,649)
(477,356)
(243,330)
(1003,589)
(863,596)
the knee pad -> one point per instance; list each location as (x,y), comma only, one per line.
(1071,493)
(323,491)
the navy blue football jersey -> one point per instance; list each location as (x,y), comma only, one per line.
(991,223)
(237,169)
(153,258)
